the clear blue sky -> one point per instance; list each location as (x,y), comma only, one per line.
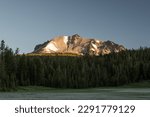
(25,23)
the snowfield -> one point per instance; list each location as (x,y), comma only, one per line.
(52,47)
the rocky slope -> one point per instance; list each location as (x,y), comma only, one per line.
(78,45)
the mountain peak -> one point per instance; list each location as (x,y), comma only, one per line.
(78,45)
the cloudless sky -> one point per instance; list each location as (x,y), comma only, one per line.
(25,23)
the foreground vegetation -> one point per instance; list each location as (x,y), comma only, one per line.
(54,54)
(23,89)
(74,71)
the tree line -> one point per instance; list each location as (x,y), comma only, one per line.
(72,72)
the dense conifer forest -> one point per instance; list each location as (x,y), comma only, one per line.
(73,71)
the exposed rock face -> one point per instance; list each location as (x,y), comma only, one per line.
(78,45)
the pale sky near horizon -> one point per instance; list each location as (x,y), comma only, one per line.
(25,23)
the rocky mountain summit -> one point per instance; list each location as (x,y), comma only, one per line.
(78,45)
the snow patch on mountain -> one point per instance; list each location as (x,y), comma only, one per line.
(97,41)
(94,46)
(52,47)
(92,49)
(65,39)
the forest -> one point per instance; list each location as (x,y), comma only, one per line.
(115,69)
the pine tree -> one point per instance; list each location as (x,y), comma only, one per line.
(17,51)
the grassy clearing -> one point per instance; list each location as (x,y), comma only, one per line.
(143,84)
(52,90)
(140,91)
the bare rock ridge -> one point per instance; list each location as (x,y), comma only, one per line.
(78,45)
